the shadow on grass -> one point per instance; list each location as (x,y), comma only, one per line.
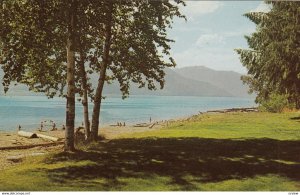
(207,160)
(295,118)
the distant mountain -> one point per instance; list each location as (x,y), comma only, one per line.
(18,90)
(189,81)
(227,80)
(175,85)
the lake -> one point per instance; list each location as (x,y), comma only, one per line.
(29,111)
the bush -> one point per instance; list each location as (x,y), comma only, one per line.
(275,103)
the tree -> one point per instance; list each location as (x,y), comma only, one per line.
(84,90)
(125,38)
(38,42)
(70,108)
(274,55)
(135,48)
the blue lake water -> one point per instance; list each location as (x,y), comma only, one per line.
(29,111)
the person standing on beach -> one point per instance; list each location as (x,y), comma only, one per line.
(42,126)
(53,127)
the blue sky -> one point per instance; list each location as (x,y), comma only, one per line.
(213,30)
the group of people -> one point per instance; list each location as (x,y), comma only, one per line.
(119,124)
(42,125)
(53,124)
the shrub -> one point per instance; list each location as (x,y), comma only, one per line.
(275,103)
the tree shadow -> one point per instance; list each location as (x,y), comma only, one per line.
(208,160)
(296,118)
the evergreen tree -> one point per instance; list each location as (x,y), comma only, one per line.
(273,57)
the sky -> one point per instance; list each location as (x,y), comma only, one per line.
(211,33)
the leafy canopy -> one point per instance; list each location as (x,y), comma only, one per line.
(33,38)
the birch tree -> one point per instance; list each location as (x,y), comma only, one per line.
(46,44)
(136,47)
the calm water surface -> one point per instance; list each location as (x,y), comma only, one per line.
(29,111)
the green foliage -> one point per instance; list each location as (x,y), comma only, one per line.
(275,103)
(127,38)
(32,45)
(273,56)
(139,48)
(33,42)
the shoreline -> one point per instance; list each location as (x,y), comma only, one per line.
(13,148)
(130,123)
(108,131)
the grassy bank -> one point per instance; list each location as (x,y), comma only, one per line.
(233,151)
(284,126)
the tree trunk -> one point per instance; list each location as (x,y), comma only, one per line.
(85,97)
(101,80)
(297,102)
(70,108)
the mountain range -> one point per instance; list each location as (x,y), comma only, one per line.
(229,81)
(187,81)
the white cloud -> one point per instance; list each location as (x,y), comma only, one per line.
(262,7)
(239,32)
(209,39)
(196,8)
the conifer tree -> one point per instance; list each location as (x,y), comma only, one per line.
(273,57)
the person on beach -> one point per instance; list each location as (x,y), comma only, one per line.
(63,127)
(42,126)
(19,128)
(150,119)
(54,126)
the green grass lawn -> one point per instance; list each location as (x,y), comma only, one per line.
(211,152)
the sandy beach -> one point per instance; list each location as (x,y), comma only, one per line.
(14,148)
